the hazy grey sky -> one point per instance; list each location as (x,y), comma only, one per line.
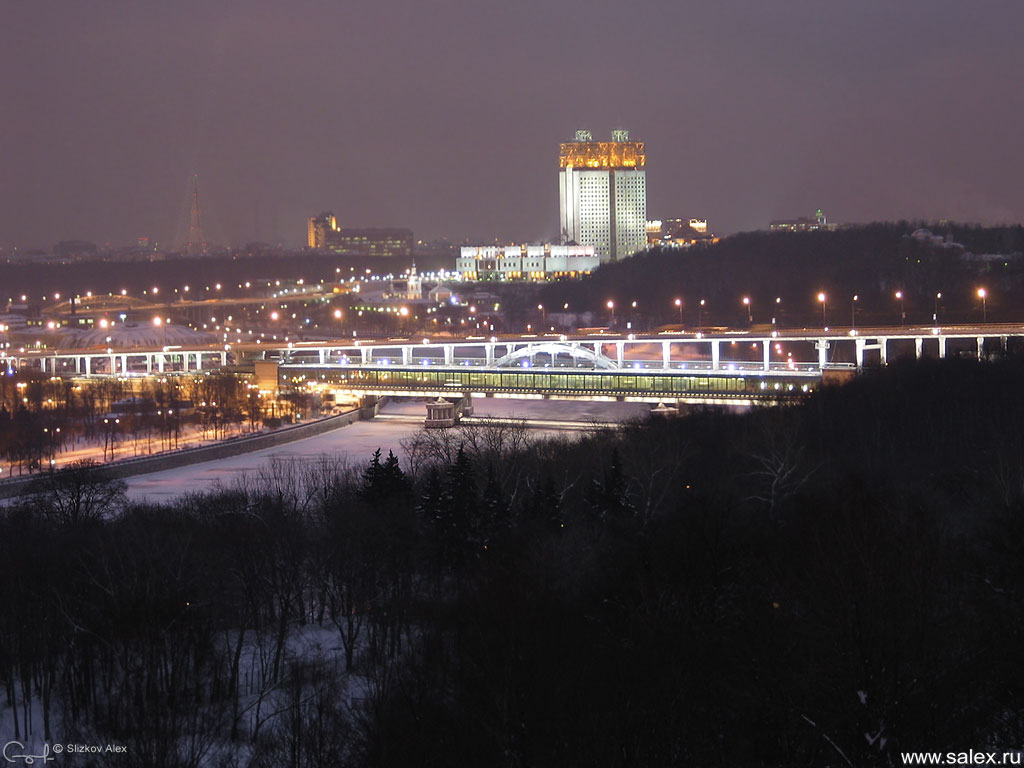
(446,116)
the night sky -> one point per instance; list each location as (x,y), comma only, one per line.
(445,116)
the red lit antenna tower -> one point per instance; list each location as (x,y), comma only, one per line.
(196,245)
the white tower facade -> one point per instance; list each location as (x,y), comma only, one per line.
(603,194)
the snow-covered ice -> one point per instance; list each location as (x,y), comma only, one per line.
(357,442)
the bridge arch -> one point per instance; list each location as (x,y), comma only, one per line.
(553,348)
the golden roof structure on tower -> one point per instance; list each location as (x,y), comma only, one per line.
(609,155)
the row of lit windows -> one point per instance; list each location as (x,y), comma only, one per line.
(553,380)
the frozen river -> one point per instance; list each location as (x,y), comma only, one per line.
(357,442)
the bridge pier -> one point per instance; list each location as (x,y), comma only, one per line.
(918,348)
(441,414)
(160,363)
(406,355)
(942,347)
(822,347)
(858,353)
(369,406)
(489,353)
(715,355)
(364,354)
(981,347)
(323,356)
(882,345)
(666,357)
(620,353)
(449,354)
(766,349)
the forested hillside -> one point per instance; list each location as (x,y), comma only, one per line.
(872,262)
(824,584)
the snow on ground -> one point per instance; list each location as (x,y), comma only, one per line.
(357,442)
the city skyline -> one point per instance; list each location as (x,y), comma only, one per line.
(400,116)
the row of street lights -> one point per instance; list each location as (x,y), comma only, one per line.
(982,294)
(702,303)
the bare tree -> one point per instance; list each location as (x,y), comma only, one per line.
(781,467)
(80,493)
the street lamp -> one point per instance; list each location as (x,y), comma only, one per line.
(679,306)
(778,310)
(543,314)
(750,316)
(821,298)
(983,295)
(611,306)
(700,309)
(159,323)
(853,311)
(935,314)
(903,314)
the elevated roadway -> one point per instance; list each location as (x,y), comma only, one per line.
(721,365)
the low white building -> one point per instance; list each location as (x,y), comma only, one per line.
(526,262)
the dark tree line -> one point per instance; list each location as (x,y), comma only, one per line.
(829,583)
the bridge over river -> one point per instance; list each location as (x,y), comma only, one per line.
(722,366)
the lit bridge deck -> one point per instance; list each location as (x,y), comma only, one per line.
(726,366)
(631,385)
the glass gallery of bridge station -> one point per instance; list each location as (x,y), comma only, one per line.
(646,386)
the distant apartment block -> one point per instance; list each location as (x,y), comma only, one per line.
(323,233)
(679,232)
(804,224)
(603,194)
(526,262)
(75,249)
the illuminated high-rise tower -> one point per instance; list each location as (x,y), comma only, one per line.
(318,229)
(603,194)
